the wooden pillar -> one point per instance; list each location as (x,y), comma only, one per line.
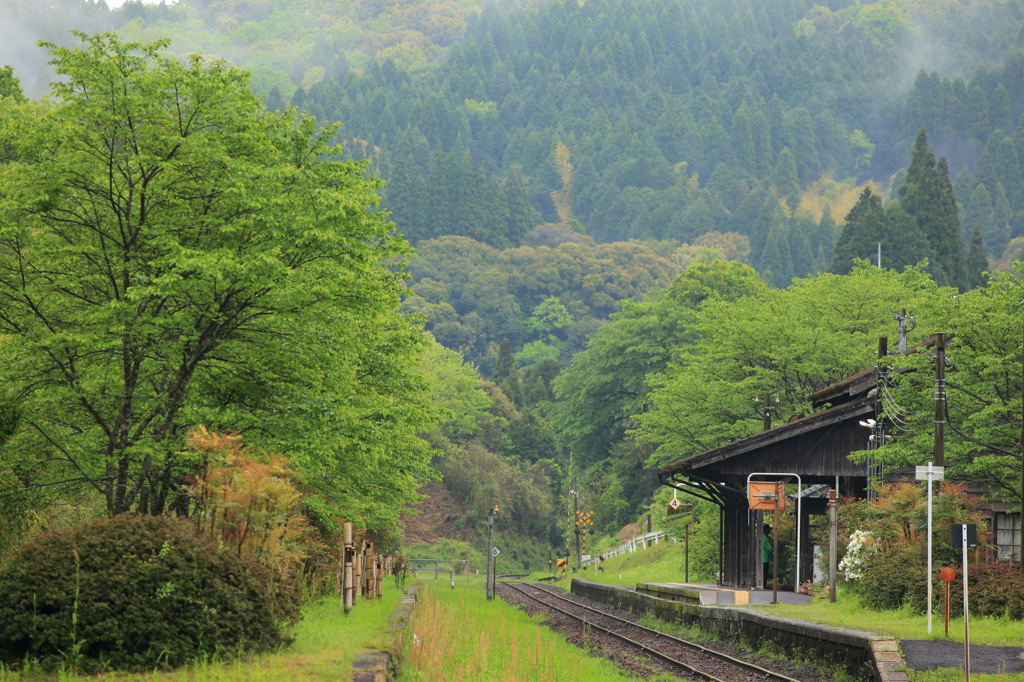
(348,587)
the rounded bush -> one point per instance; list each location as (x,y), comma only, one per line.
(890,580)
(136,593)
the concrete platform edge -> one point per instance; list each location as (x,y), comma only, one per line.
(862,654)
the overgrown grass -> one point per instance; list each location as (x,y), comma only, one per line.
(458,636)
(847,612)
(326,641)
(957,675)
(663,563)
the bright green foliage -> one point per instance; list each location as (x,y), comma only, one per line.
(606,384)
(10,86)
(549,317)
(475,296)
(173,256)
(789,343)
(986,326)
(455,388)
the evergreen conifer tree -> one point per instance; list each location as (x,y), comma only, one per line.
(978,213)
(977,262)
(785,178)
(927,195)
(520,214)
(802,229)
(539,392)
(506,376)
(903,243)
(999,110)
(776,262)
(825,240)
(862,233)
(274,101)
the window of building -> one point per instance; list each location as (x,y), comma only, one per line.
(1007,536)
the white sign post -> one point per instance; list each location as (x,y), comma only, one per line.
(967,610)
(930,473)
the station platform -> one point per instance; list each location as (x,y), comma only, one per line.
(729,596)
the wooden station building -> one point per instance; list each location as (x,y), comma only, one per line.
(816,447)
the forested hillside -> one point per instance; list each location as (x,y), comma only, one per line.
(607,198)
(662,120)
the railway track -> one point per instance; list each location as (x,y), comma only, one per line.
(690,658)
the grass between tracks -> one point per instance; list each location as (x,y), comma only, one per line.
(457,636)
(326,641)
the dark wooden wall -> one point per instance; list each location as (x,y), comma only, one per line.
(818,456)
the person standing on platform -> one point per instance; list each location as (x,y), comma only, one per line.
(767,554)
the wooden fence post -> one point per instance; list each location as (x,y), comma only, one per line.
(348,588)
(358,586)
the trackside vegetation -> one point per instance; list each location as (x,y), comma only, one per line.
(325,643)
(457,634)
(663,563)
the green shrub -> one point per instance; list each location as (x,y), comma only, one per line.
(891,578)
(996,590)
(136,593)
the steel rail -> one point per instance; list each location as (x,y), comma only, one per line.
(654,652)
(725,658)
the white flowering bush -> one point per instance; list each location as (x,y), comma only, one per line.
(862,545)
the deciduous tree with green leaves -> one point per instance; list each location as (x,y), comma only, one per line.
(791,342)
(983,390)
(170,256)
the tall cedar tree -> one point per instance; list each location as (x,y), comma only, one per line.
(977,262)
(868,225)
(865,225)
(928,197)
(505,373)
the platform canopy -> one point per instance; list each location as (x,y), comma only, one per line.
(816,447)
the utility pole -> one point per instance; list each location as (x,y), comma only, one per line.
(490,552)
(769,406)
(833,538)
(901,317)
(780,490)
(576,514)
(940,399)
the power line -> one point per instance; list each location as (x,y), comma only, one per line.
(976,441)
